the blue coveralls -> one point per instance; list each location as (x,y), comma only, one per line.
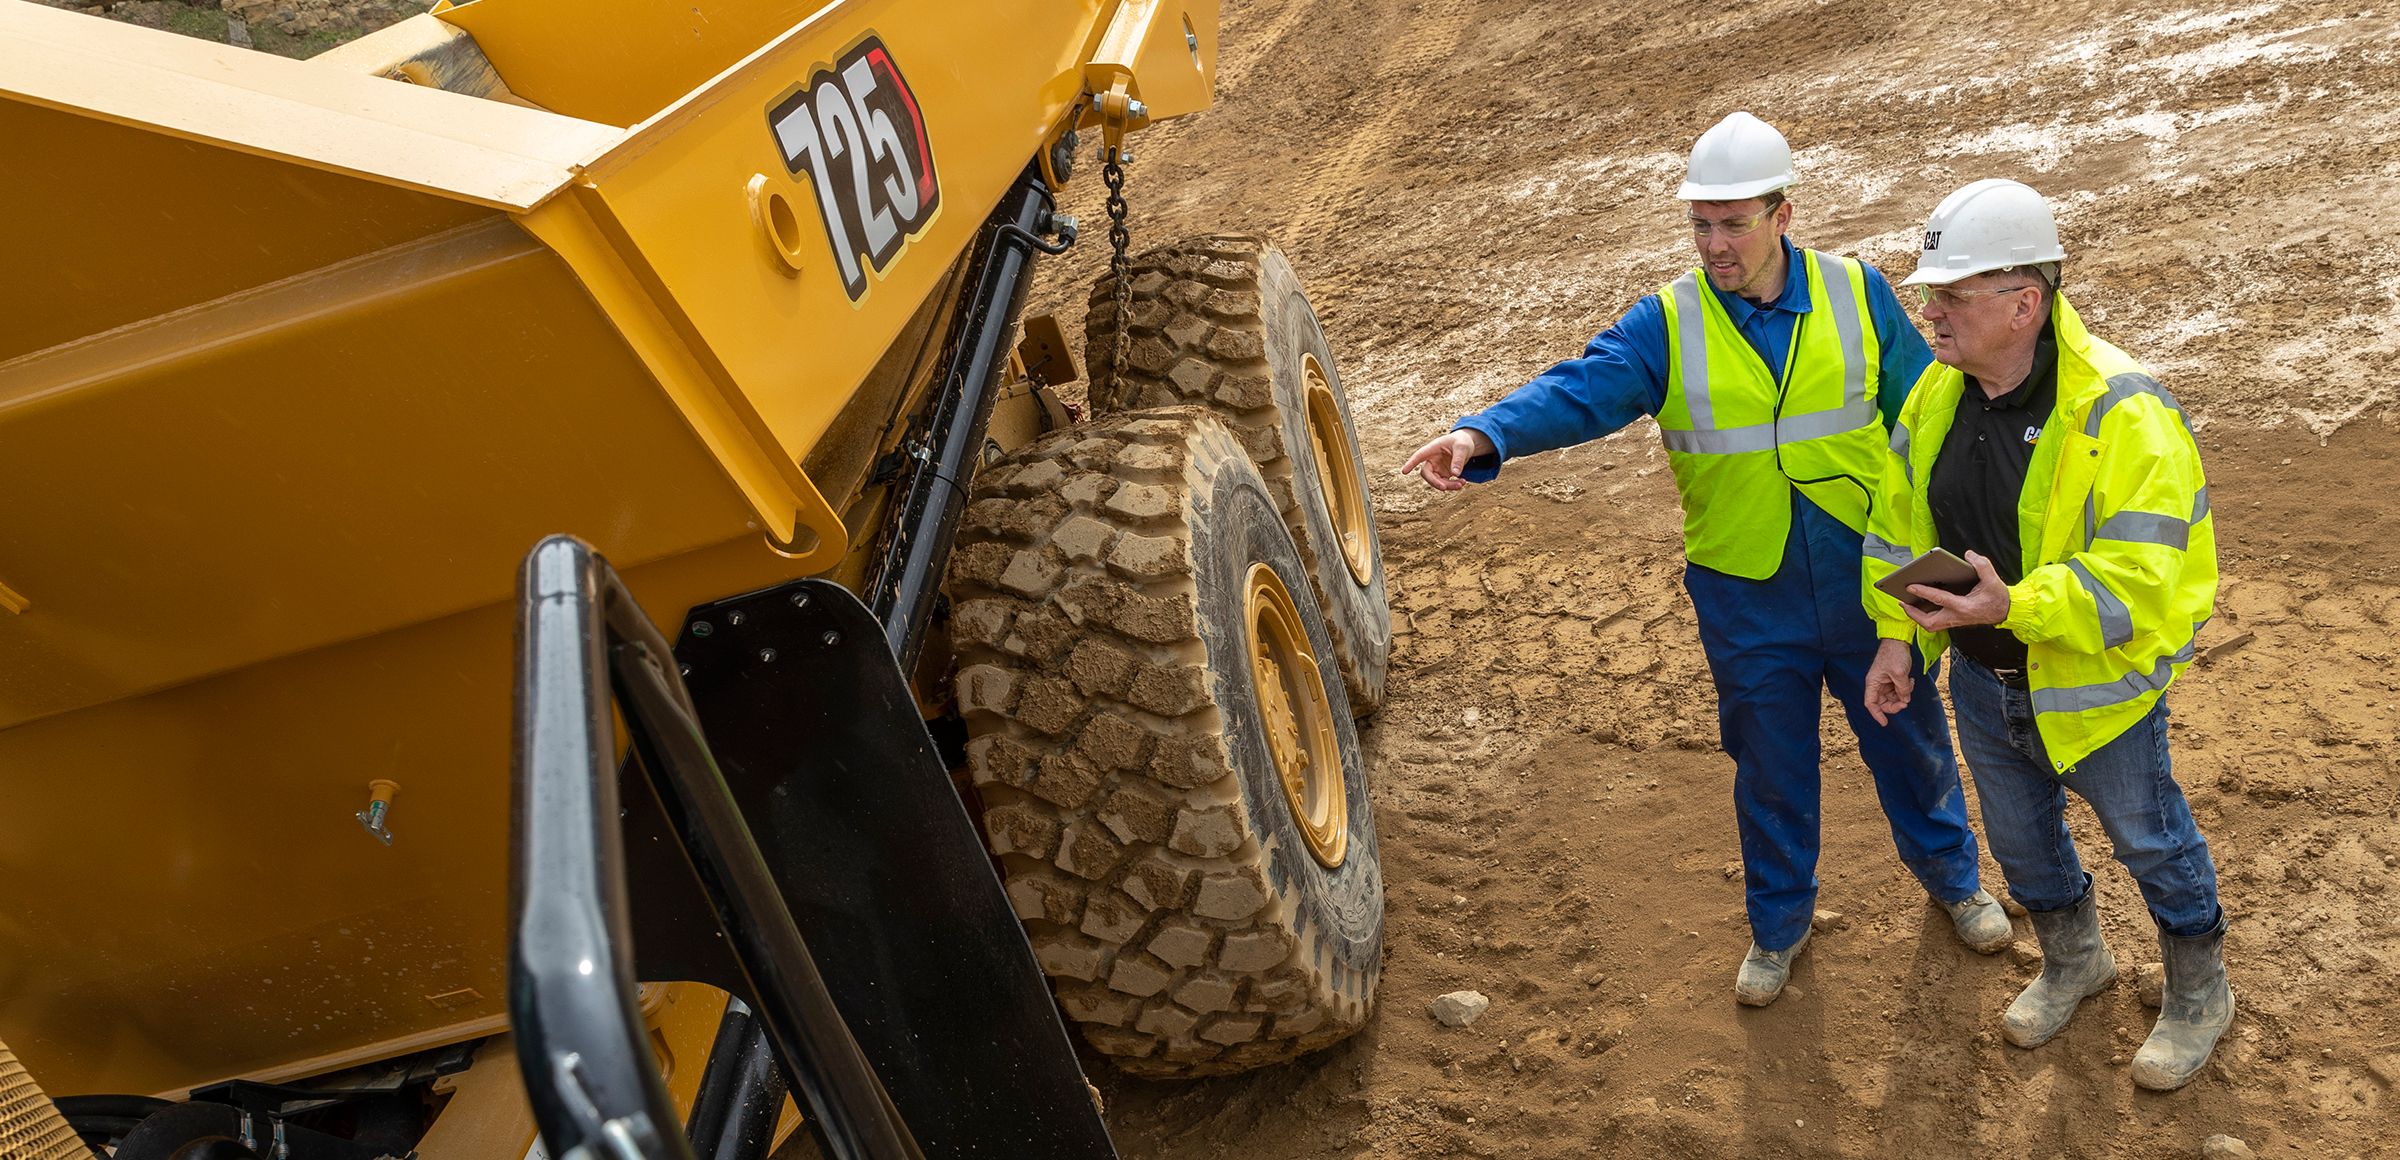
(1773,644)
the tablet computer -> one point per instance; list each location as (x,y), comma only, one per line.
(1935,569)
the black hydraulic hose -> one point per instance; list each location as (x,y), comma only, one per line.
(1018,233)
(910,575)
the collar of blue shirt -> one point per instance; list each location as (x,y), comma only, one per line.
(1793,300)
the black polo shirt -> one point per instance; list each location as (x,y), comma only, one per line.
(1977,479)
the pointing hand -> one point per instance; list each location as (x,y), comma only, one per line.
(1441,462)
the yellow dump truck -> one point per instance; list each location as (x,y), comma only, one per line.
(362,418)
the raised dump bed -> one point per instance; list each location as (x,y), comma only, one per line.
(298,361)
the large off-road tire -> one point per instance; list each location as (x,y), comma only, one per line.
(1196,916)
(1221,321)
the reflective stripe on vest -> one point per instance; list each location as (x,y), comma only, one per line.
(2129,527)
(2133,690)
(1740,438)
(1691,345)
(2130,687)
(1890,553)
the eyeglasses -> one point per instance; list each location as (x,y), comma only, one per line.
(1953,299)
(1731,227)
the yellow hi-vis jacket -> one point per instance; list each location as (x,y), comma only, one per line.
(2120,553)
(1738,445)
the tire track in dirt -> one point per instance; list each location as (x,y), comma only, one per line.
(1244,44)
(1546,773)
(1342,175)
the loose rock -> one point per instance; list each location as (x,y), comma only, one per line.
(1830,920)
(2025,954)
(1459,1008)
(2226,1148)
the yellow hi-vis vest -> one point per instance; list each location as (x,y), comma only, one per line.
(1738,446)
(2120,553)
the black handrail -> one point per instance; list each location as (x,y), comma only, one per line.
(588,1071)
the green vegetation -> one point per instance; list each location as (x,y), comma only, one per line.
(205,23)
(303,46)
(212,23)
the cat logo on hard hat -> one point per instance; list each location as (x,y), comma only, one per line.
(1933,239)
(856,132)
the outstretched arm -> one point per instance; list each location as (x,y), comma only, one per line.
(1620,377)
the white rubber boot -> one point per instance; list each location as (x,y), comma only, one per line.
(1765,972)
(1980,923)
(2194,1009)
(2076,965)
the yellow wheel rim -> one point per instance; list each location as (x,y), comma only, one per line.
(1337,473)
(1297,715)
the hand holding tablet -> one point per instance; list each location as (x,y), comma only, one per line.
(1935,569)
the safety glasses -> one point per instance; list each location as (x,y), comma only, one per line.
(1731,227)
(1950,299)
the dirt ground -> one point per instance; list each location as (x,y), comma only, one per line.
(1474,187)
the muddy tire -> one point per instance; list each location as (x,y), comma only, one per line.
(1104,587)
(1221,321)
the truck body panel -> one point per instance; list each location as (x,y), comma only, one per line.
(306,361)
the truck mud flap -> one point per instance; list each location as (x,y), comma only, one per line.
(820,744)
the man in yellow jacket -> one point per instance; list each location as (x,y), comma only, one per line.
(2067,476)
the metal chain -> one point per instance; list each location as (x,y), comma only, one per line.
(1112,171)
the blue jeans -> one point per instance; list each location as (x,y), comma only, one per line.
(2129,783)
(1774,648)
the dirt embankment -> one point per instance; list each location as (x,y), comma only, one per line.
(1472,189)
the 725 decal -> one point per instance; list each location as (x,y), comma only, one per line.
(856,131)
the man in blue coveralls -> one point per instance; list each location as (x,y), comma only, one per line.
(1774,373)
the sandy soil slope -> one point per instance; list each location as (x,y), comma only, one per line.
(1472,188)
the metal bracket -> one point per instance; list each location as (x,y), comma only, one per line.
(377,816)
(1119,114)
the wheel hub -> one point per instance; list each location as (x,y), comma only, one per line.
(1297,715)
(1337,473)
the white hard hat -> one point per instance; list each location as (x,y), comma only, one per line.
(1739,157)
(1987,225)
